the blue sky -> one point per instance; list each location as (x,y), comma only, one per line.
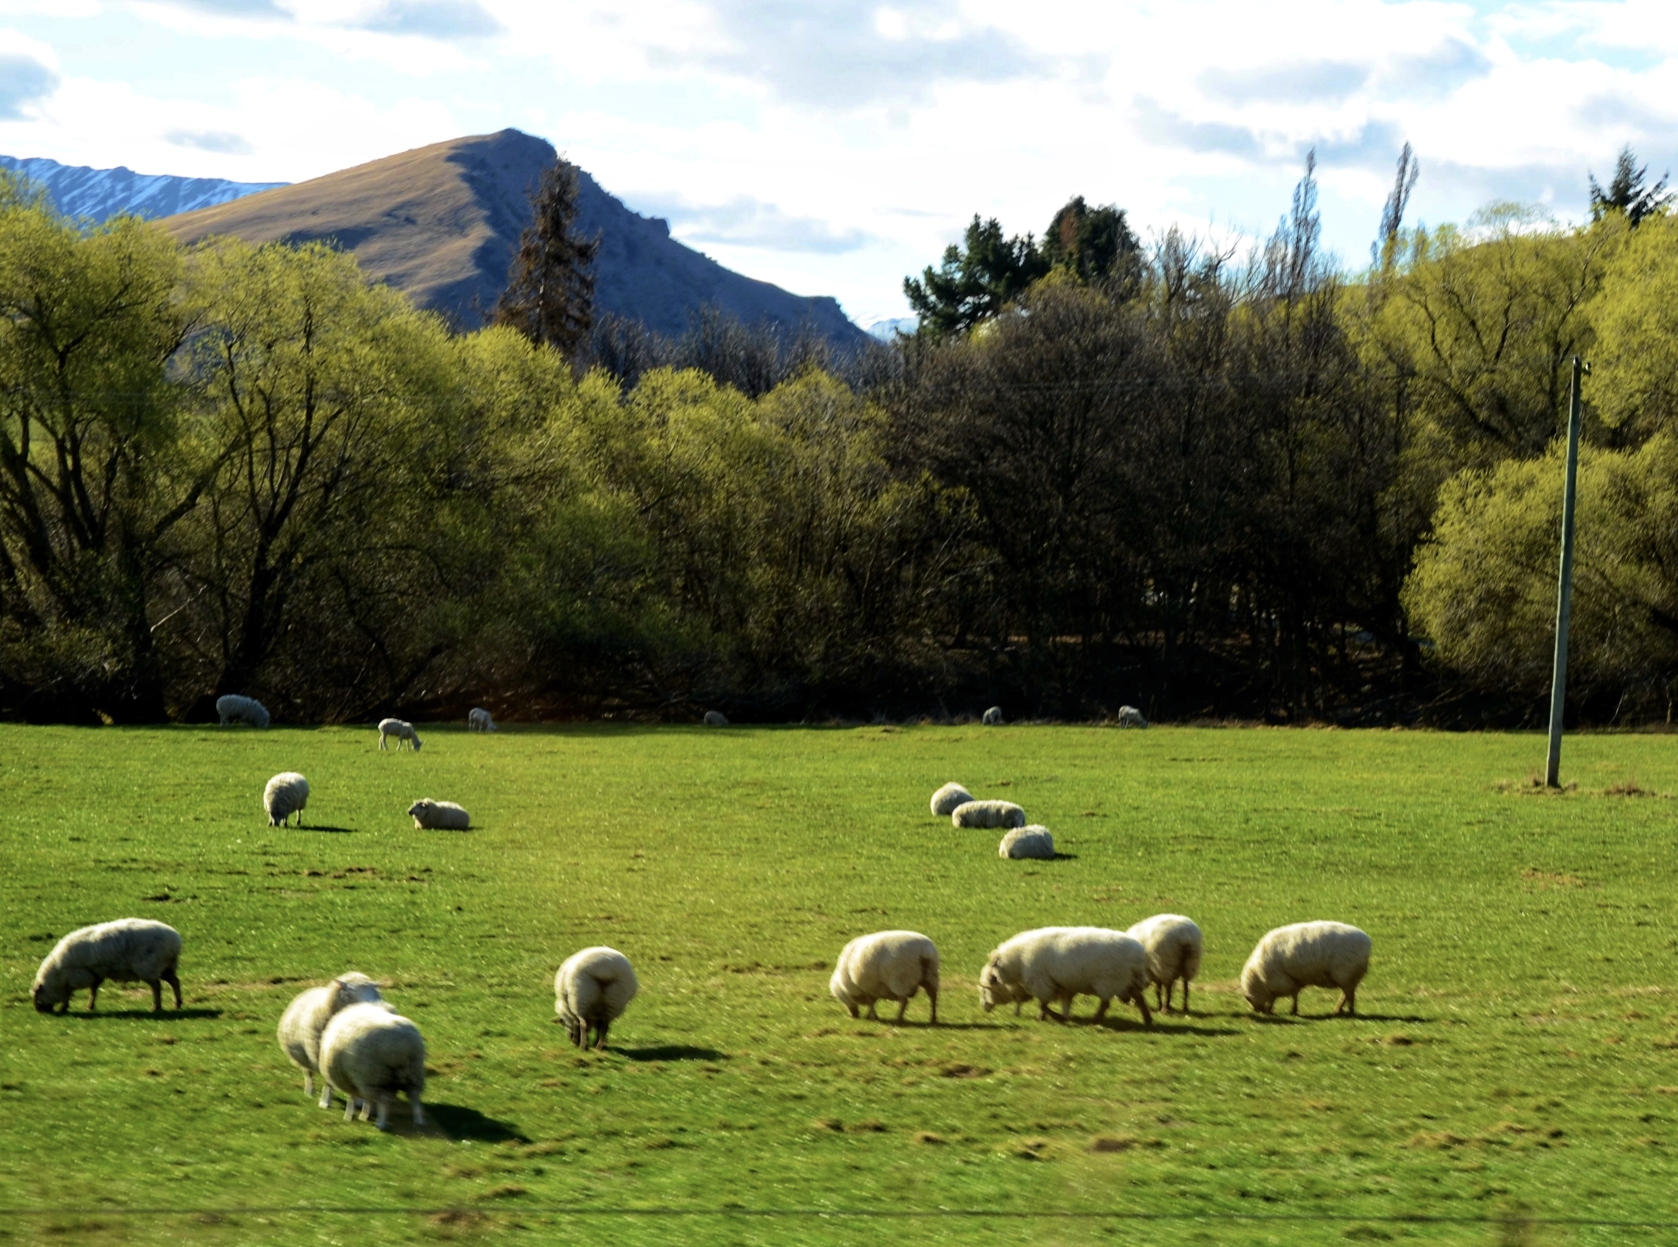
(833,148)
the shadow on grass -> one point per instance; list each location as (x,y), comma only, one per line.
(670,1052)
(168,1015)
(1161,1026)
(460,1123)
(1298,1019)
(334,831)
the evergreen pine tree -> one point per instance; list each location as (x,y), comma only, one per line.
(550,289)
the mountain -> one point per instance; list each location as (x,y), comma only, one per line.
(886,328)
(97,194)
(442,223)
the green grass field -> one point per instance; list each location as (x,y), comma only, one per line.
(1518,1055)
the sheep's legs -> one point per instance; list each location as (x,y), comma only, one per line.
(1185,996)
(1141,999)
(1100,1010)
(384,1113)
(419,1109)
(157,996)
(326,1094)
(902,1008)
(872,1016)
(92,996)
(932,995)
(349,1108)
(600,1029)
(308,1084)
(1348,1002)
(174,980)
(1296,1004)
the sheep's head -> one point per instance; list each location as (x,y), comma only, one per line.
(414,736)
(46,999)
(993,989)
(354,988)
(419,809)
(1257,993)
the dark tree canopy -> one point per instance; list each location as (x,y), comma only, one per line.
(974,281)
(550,288)
(1095,243)
(1627,192)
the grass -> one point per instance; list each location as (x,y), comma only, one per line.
(1517,1057)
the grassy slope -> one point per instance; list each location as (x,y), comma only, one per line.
(1519,1050)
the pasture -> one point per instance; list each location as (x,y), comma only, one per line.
(1517,1053)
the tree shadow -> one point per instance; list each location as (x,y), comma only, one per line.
(458,1122)
(670,1052)
(168,1015)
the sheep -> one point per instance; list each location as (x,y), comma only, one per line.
(887,965)
(591,990)
(479,720)
(429,815)
(232,708)
(987,814)
(1173,944)
(1058,963)
(1306,954)
(286,794)
(1130,716)
(947,798)
(369,1053)
(992,717)
(715,718)
(1034,841)
(401,730)
(306,1017)
(126,951)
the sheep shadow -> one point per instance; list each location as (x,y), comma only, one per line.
(670,1052)
(458,1123)
(144,1014)
(331,831)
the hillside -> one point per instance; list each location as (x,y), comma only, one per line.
(98,194)
(441,222)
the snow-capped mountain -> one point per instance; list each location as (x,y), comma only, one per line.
(885,327)
(78,191)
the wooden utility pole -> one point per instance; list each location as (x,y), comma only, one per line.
(1564,591)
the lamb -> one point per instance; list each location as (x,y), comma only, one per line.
(1058,963)
(306,1017)
(1306,954)
(286,794)
(403,731)
(992,717)
(232,708)
(369,1053)
(987,814)
(1034,841)
(1173,944)
(591,990)
(479,720)
(887,965)
(947,798)
(126,951)
(715,718)
(429,815)
(1130,716)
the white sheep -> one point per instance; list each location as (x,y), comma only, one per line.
(1130,716)
(1022,842)
(128,950)
(370,1054)
(479,720)
(947,798)
(887,965)
(403,731)
(987,814)
(715,718)
(1173,944)
(306,1017)
(232,708)
(429,815)
(1306,954)
(591,990)
(993,716)
(1058,963)
(286,794)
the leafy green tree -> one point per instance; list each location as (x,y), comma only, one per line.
(976,280)
(1628,192)
(1095,243)
(1634,379)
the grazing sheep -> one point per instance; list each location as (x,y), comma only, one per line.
(233,708)
(1173,944)
(403,731)
(1058,963)
(286,794)
(591,990)
(1130,716)
(888,965)
(128,950)
(947,798)
(306,1017)
(993,716)
(432,815)
(1034,841)
(479,720)
(370,1053)
(1306,954)
(715,718)
(987,814)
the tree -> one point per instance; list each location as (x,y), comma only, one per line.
(976,280)
(1384,250)
(1095,243)
(550,290)
(1627,192)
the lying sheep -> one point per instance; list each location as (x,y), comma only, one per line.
(306,1017)
(128,950)
(479,720)
(370,1053)
(1130,716)
(987,814)
(429,815)
(947,798)
(715,718)
(233,708)
(993,716)
(591,991)
(1306,954)
(1033,842)
(1173,944)
(888,965)
(403,731)
(286,794)
(1058,963)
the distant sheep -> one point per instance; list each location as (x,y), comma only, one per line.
(403,731)
(1306,954)
(429,815)
(1130,716)
(715,718)
(371,1054)
(1173,944)
(128,950)
(887,965)
(987,814)
(591,991)
(286,794)
(306,1017)
(479,720)
(233,708)
(993,716)
(1032,842)
(1059,963)
(947,798)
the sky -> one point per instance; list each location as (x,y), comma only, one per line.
(834,148)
